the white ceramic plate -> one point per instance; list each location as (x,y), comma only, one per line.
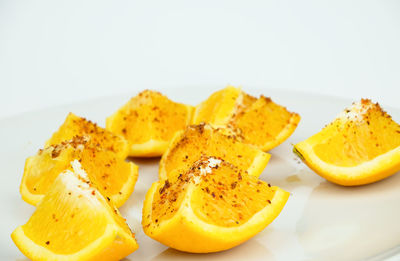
(321,221)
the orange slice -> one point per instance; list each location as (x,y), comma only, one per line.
(149,121)
(197,140)
(78,126)
(265,124)
(259,122)
(218,108)
(361,146)
(113,176)
(212,207)
(74,222)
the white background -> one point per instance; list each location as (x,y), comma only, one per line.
(56,52)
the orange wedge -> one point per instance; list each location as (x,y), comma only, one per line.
(361,146)
(74,222)
(78,126)
(212,207)
(114,177)
(259,122)
(265,124)
(219,108)
(198,140)
(149,121)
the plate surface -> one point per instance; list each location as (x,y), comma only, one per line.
(321,221)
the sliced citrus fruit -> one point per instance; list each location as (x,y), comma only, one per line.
(197,140)
(149,121)
(264,123)
(75,222)
(212,207)
(113,176)
(75,125)
(361,146)
(219,107)
(259,122)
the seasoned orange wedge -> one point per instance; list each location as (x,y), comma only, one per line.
(75,222)
(212,207)
(219,108)
(78,126)
(198,140)
(259,122)
(149,121)
(113,176)
(265,124)
(361,146)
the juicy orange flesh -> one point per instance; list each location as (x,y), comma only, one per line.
(225,197)
(262,122)
(167,200)
(150,115)
(107,172)
(44,169)
(199,140)
(75,125)
(348,143)
(104,168)
(58,219)
(219,104)
(246,101)
(228,197)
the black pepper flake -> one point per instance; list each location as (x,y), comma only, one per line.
(166,186)
(55,153)
(47,242)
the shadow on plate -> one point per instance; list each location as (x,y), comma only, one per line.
(144,161)
(250,250)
